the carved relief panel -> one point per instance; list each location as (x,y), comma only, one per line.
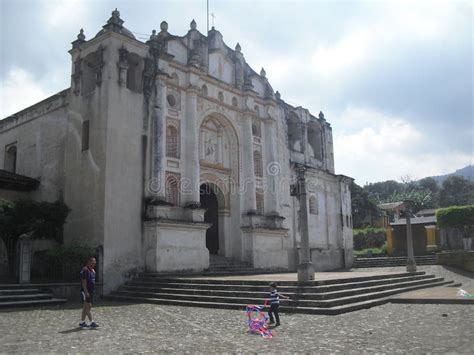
(214,144)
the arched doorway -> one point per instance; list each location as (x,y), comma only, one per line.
(209,202)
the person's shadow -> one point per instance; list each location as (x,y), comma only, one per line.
(73,330)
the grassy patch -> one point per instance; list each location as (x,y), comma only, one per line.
(373,251)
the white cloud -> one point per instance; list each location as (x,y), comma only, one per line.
(64,13)
(386,148)
(349,51)
(18,91)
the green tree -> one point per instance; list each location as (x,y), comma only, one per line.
(363,207)
(421,199)
(430,184)
(381,191)
(44,220)
(456,191)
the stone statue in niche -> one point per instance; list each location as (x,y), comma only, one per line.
(214,144)
(210,147)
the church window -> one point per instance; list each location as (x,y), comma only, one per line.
(220,96)
(315,140)
(313,205)
(10,158)
(172,188)
(172,142)
(234,101)
(259,200)
(171,100)
(85,135)
(134,72)
(257,160)
(294,133)
(204,90)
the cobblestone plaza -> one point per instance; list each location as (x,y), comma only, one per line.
(391,328)
(126,328)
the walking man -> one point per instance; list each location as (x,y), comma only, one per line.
(87,293)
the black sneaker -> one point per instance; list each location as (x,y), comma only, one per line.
(93,325)
(83,325)
(277,325)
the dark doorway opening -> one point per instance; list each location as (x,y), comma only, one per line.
(209,203)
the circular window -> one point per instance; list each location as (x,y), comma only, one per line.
(171,100)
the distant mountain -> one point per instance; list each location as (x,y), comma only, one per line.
(466,172)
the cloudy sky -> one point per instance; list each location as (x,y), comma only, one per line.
(394,78)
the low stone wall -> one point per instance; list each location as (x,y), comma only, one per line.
(461,259)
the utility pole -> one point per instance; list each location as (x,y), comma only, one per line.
(411,264)
(305,267)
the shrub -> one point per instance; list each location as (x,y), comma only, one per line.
(369,238)
(455,216)
(62,263)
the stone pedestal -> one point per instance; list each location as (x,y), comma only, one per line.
(175,239)
(176,246)
(262,240)
(306,271)
(262,248)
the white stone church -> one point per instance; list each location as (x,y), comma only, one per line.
(175,149)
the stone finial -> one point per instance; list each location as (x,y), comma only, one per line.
(193,25)
(164,26)
(115,19)
(263,73)
(237,47)
(278,95)
(81,36)
(321,115)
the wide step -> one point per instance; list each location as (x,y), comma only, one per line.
(332,296)
(12,296)
(393,261)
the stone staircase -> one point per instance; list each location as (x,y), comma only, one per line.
(14,295)
(315,297)
(393,261)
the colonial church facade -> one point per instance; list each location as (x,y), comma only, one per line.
(174,150)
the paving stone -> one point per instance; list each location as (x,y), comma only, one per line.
(391,328)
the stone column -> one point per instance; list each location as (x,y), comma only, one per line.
(305,268)
(247,183)
(431,238)
(411,264)
(157,183)
(190,192)
(389,235)
(272,168)
(24,258)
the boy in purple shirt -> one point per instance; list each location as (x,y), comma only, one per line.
(87,293)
